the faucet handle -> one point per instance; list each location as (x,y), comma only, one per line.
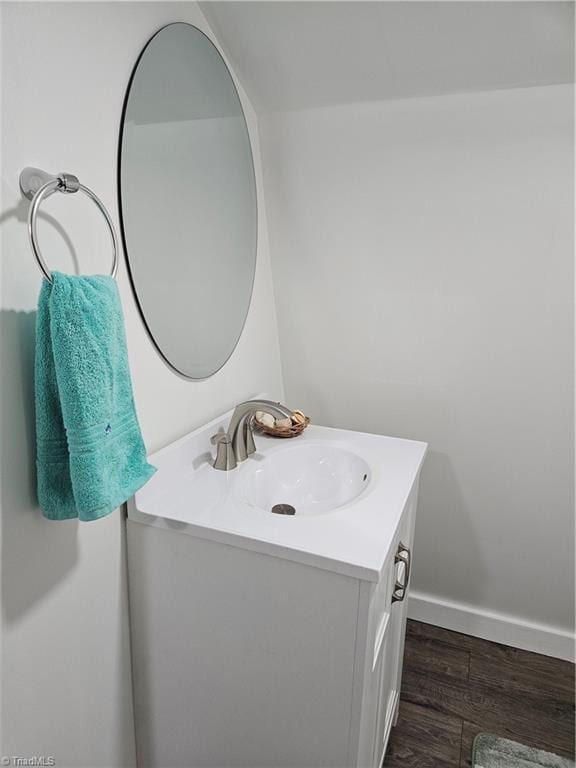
(219,437)
(225,457)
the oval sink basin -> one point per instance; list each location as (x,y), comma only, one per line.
(302,480)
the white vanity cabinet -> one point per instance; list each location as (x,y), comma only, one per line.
(267,641)
(243,659)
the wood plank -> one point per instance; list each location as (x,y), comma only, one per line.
(426,655)
(558,672)
(517,715)
(419,629)
(517,666)
(469,733)
(424,738)
(524,671)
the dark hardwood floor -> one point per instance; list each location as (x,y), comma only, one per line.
(455,686)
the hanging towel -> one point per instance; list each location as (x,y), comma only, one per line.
(90,453)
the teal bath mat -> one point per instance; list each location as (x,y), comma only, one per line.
(493,752)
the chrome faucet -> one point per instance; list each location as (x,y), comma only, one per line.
(237,443)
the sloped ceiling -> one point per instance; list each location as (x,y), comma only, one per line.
(296,55)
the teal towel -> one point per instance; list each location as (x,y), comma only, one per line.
(90,453)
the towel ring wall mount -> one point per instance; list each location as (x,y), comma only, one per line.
(37,185)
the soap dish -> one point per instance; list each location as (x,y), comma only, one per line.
(295,429)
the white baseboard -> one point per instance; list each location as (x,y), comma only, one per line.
(498,627)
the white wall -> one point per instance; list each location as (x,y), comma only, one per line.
(422,258)
(65,662)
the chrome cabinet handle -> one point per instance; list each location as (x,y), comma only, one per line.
(403,555)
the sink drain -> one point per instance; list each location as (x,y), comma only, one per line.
(283,509)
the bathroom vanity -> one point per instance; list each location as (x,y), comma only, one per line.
(271,640)
(268,579)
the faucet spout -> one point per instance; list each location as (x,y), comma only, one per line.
(240,427)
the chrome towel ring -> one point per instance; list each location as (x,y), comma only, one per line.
(37,185)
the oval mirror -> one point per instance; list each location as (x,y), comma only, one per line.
(188,200)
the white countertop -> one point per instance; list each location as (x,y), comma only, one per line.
(189,496)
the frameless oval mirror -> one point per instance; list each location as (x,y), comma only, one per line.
(188,200)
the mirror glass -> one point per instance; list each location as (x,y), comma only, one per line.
(188,200)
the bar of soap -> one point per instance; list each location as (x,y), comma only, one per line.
(298,417)
(283,422)
(266,419)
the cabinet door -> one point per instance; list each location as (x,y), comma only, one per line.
(393,642)
(399,610)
